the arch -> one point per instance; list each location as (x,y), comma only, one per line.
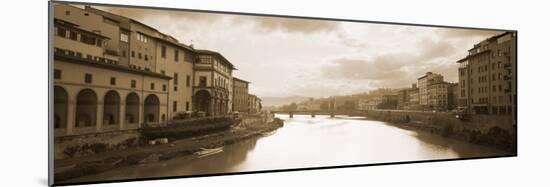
(151,108)
(60,107)
(111,108)
(86,108)
(202,101)
(132,108)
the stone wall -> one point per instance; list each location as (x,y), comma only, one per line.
(490,130)
(86,144)
(438,119)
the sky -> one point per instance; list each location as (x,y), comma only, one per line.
(316,58)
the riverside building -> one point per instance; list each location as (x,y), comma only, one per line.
(112,72)
(487,76)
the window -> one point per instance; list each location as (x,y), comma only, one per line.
(188,81)
(133,54)
(57,74)
(61,32)
(176,58)
(88,78)
(175,88)
(152,86)
(98,43)
(163,51)
(124,37)
(175,105)
(113,81)
(141,37)
(146,57)
(139,55)
(86,14)
(72,35)
(133,84)
(67,13)
(187,106)
(175,79)
(87,39)
(164,87)
(123,53)
(202,81)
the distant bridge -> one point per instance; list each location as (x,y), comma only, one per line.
(313,113)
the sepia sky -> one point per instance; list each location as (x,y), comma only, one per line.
(299,57)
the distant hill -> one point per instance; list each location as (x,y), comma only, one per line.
(279,101)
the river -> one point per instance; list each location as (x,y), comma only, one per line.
(311,142)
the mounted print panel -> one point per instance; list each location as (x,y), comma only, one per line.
(156,93)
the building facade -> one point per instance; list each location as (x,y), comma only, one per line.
(240,95)
(113,73)
(439,96)
(93,93)
(487,76)
(212,73)
(423,83)
(254,104)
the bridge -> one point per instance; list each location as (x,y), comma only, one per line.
(313,113)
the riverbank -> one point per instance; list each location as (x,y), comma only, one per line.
(492,131)
(70,168)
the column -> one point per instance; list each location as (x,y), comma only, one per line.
(99,116)
(71,112)
(122,115)
(141,117)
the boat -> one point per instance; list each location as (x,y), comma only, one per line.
(207,152)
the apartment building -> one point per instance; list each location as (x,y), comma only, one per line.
(487,76)
(423,83)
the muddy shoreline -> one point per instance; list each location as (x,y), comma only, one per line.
(78,167)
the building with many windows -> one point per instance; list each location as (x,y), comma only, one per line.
(423,83)
(93,92)
(240,95)
(439,96)
(212,74)
(487,76)
(113,73)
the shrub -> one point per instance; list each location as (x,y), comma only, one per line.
(447,131)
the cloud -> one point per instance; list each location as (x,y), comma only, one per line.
(466,33)
(144,13)
(351,42)
(263,23)
(292,25)
(400,69)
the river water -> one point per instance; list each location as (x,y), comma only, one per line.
(311,142)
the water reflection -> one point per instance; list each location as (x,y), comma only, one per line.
(312,142)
